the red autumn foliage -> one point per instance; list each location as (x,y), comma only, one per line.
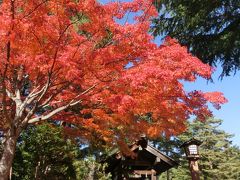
(66,60)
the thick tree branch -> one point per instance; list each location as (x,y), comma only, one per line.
(49,99)
(59,109)
(52,113)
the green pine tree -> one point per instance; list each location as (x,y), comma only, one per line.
(209,28)
(44,152)
(219,158)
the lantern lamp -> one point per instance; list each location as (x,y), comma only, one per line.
(191,148)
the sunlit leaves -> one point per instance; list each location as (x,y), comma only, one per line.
(81,50)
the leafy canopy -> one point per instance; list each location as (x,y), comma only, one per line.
(45,152)
(66,60)
(210,29)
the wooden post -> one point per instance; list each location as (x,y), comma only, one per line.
(193,165)
(153,175)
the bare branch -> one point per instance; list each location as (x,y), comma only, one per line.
(32,96)
(30,113)
(52,113)
(59,109)
(10,95)
(46,102)
(17,94)
(45,88)
(87,90)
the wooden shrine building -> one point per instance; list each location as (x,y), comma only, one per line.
(147,163)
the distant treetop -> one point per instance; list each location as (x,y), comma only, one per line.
(210,29)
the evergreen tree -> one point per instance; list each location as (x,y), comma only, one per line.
(219,158)
(209,28)
(43,152)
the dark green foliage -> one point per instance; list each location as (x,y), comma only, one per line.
(44,152)
(169,146)
(90,169)
(210,29)
(219,158)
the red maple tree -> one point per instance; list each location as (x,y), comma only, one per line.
(66,60)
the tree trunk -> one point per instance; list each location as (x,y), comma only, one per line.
(9,147)
(91,171)
(37,170)
(168,175)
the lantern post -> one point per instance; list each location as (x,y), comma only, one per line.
(191,148)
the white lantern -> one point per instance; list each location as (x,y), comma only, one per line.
(191,148)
